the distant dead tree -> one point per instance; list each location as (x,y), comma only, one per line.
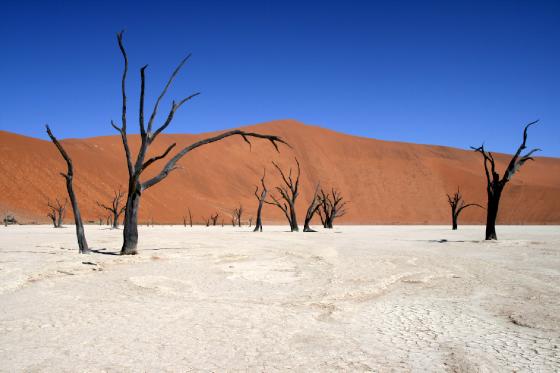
(115,208)
(57,212)
(189,216)
(312,210)
(250,221)
(207,220)
(288,194)
(457,205)
(214,218)
(332,206)
(69,176)
(237,214)
(52,215)
(147,136)
(495,185)
(261,198)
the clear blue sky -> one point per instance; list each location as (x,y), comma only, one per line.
(449,72)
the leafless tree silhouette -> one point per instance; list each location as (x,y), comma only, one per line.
(69,177)
(115,208)
(457,205)
(495,185)
(237,214)
(261,198)
(57,212)
(288,195)
(214,218)
(147,136)
(312,210)
(332,206)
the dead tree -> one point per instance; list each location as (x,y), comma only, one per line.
(69,176)
(207,221)
(288,193)
(214,218)
(312,210)
(332,206)
(57,212)
(250,221)
(147,136)
(52,215)
(495,185)
(185,218)
(457,205)
(115,208)
(237,214)
(261,198)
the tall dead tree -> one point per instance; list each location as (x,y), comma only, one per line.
(261,198)
(312,210)
(457,205)
(69,177)
(237,214)
(495,185)
(332,206)
(147,136)
(190,217)
(57,212)
(115,208)
(288,194)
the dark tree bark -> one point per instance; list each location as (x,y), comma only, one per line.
(237,214)
(312,210)
(214,218)
(457,205)
(147,136)
(115,209)
(332,206)
(57,212)
(495,185)
(190,217)
(69,176)
(288,194)
(261,198)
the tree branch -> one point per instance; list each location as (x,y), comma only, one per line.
(170,166)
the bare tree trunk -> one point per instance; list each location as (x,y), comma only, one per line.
(69,175)
(130,231)
(190,218)
(311,210)
(261,198)
(492,215)
(495,185)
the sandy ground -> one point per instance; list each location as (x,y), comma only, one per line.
(371,298)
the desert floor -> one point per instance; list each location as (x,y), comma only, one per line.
(357,298)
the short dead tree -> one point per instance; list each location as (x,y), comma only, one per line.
(148,134)
(114,208)
(57,211)
(214,218)
(288,195)
(189,216)
(237,214)
(332,206)
(312,210)
(261,197)
(207,220)
(250,221)
(69,177)
(457,205)
(495,185)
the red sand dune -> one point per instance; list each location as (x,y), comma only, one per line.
(385,182)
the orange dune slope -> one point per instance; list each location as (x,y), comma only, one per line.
(384,182)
